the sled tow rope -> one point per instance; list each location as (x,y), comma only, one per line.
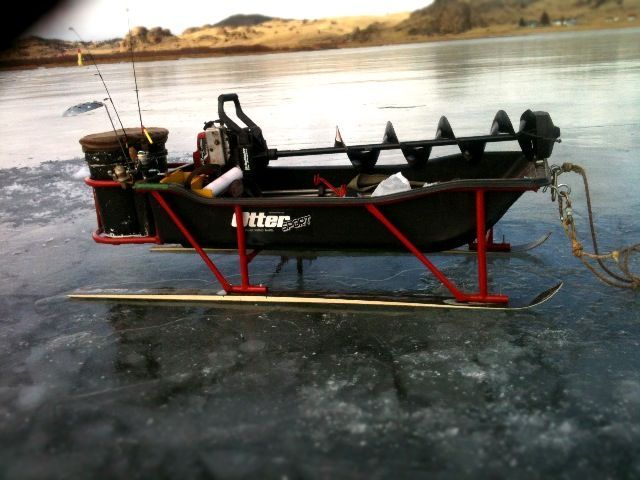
(595,261)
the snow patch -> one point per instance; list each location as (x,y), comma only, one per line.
(83,172)
(19,188)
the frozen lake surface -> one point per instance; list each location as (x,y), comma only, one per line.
(119,390)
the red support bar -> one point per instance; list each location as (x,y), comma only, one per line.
(242,247)
(340,192)
(482,246)
(244,269)
(413,249)
(491,245)
(246,286)
(481,253)
(178,223)
(102,183)
(251,289)
(100,237)
(483,296)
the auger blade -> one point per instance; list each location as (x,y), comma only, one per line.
(471,150)
(416,156)
(338,142)
(390,134)
(362,160)
(444,129)
(502,124)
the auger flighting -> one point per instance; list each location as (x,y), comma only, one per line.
(536,137)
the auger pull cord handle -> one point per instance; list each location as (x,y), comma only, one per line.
(224,118)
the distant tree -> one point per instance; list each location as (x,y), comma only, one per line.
(522,22)
(366,34)
(545,21)
(157,34)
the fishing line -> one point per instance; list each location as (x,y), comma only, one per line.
(135,79)
(93,60)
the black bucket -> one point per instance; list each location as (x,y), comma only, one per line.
(123,212)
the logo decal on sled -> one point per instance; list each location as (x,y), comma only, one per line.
(245,158)
(261,221)
(299,222)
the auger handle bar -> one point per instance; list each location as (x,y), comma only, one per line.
(233,97)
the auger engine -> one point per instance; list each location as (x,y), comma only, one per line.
(226,144)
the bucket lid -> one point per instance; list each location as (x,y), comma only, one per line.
(107,141)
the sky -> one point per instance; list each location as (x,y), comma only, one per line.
(105,19)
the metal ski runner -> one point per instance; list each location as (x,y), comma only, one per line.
(309,299)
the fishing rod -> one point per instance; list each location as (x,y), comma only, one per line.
(93,60)
(135,79)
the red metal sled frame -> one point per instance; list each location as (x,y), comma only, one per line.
(483,244)
(245,258)
(491,244)
(245,286)
(483,296)
(99,236)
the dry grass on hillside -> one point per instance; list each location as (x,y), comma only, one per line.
(441,20)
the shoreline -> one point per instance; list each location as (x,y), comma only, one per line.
(70,60)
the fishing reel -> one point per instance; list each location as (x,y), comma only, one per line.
(122,175)
(140,164)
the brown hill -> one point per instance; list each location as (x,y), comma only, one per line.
(241,20)
(443,19)
(145,36)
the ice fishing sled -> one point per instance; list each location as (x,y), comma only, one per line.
(235,197)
